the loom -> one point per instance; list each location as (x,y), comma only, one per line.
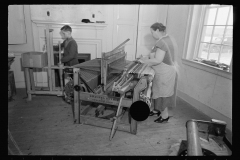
(45,62)
(113,83)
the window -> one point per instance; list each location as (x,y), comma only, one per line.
(209,39)
(215,44)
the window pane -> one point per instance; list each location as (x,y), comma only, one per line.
(210,16)
(226,55)
(222,16)
(218,34)
(203,50)
(214,5)
(230,21)
(214,52)
(206,33)
(228,36)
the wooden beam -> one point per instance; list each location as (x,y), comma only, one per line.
(52,58)
(58,67)
(104,99)
(49,58)
(42,88)
(61,76)
(76,95)
(86,109)
(46,88)
(29,98)
(116,119)
(46,92)
(103,123)
(32,79)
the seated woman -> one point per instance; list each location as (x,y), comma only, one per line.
(163,59)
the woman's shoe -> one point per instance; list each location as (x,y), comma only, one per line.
(161,120)
(153,113)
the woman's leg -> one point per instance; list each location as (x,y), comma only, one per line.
(158,104)
(164,113)
(161,104)
(162,107)
(166,102)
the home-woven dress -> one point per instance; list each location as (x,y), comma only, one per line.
(165,79)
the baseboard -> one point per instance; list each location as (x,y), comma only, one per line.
(213,114)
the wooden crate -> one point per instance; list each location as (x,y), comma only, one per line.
(34,59)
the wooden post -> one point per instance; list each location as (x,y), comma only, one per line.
(116,119)
(141,85)
(60,65)
(133,126)
(76,95)
(194,148)
(105,69)
(49,59)
(28,83)
(32,79)
(59,51)
(61,76)
(52,58)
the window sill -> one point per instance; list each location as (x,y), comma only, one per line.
(207,68)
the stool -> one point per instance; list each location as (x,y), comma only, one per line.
(11,85)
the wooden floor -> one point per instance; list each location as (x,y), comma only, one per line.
(44,126)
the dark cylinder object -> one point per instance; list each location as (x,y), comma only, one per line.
(77,88)
(194,147)
(139,110)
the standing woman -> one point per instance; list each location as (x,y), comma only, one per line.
(163,59)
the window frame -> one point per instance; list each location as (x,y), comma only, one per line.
(193,37)
(205,7)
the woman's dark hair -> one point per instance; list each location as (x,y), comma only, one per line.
(66,28)
(158,26)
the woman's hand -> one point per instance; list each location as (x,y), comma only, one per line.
(152,55)
(141,60)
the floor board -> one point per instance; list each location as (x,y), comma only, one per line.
(44,126)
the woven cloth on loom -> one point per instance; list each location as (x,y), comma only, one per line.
(94,65)
(119,65)
(92,78)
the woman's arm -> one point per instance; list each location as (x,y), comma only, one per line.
(154,61)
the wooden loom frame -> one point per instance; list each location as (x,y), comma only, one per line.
(51,89)
(103,98)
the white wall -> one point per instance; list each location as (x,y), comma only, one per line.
(21,48)
(207,92)
(68,13)
(33,12)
